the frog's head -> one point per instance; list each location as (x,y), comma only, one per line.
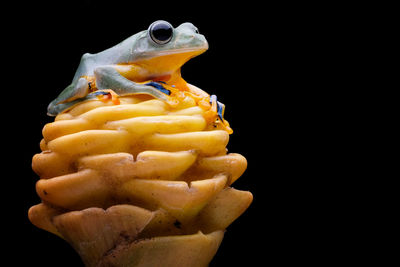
(168,47)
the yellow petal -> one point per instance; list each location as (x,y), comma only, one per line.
(119,112)
(221,211)
(94,231)
(163,165)
(159,124)
(50,164)
(188,111)
(74,191)
(90,142)
(206,142)
(195,250)
(63,127)
(148,165)
(178,198)
(41,215)
(234,164)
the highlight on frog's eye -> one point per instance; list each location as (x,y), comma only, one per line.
(134,169)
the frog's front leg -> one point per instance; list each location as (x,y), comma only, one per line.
(108,77)
(74,91)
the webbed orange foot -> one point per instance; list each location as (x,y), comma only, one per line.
(107,95)
(215,115)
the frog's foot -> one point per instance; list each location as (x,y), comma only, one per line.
(109,78)
(217,106)
(106,95)
(75,91)
(215,110)
(172,100)
(159,87)
(216,114)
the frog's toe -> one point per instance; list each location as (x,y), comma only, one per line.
(82,88)
(105,95)
(220,110)
(218,106)
(52,110)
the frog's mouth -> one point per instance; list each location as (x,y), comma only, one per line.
(170,61)
(183,50)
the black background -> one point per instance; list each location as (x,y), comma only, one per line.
(269,64)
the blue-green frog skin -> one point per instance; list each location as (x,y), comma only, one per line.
(135,66)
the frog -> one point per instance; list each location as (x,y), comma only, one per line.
(148,62)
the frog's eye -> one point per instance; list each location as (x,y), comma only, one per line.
(161,32)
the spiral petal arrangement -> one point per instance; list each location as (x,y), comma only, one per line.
(139,183)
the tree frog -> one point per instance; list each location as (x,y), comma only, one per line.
(148,62)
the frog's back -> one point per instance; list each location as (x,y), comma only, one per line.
(120,53)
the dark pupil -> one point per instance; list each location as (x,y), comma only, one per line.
(162,32)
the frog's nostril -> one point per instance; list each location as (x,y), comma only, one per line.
(189,26)
(194,28)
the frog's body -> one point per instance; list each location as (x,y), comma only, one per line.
(141,64)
